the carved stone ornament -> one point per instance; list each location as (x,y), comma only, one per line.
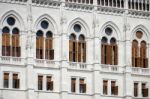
(126,27)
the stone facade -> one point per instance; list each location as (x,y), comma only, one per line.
(62,16)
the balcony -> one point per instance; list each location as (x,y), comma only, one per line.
(140,71)
(46,63)
(12,60)
(111,68)
(79,66)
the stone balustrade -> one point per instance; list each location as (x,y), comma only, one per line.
(12,60)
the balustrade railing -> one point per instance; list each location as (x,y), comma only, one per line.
(131,5)
(12,60)
(141,71)
(111,68)
(14,1)
(44,63)
(80,1)
(79,66)
(55,3)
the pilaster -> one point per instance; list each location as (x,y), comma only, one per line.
(148,51)
(30,58)
(0,42)
(127,71)
(128,89)
(64,46)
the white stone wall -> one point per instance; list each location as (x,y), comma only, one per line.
(61,70)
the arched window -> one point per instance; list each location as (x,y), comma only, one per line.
(104,45)
(39,45)
(135,55)
(109,48)
(113,52)
(15,43)
(77,45)
(44,41)
(109,52)
(143,57)
(49,52)
(11,39)
(72,48)
(81,49)
(6,42)
(139,49)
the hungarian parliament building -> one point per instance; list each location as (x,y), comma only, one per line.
(74,49)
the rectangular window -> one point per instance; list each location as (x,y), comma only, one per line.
(144,90)
(114,88)
(49,83)
(82,86)
(135,89)
(15,81)
(6,80)
(40,82)
(105,84)
(73,84)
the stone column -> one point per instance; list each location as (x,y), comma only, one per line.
(94,2)
(126,4)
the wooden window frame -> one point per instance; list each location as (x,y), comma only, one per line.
(40,82)
(82,85)
(73,84)
(114,88)
(16,81)
(105,87)
(49,83)
(6,80)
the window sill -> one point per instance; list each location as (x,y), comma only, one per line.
(140,97)
(104,95)
(45,91)
(75,93)
(12,89)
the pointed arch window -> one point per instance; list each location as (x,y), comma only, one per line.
(135,50)
(11,39)
(6,47)
(143,57)
(44,41)
(104,50)
(109,52)
(15,43)
(39,45)
(72,48)
(139,51)
(49,51)
(113,52)
(81,49)
(109,48)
